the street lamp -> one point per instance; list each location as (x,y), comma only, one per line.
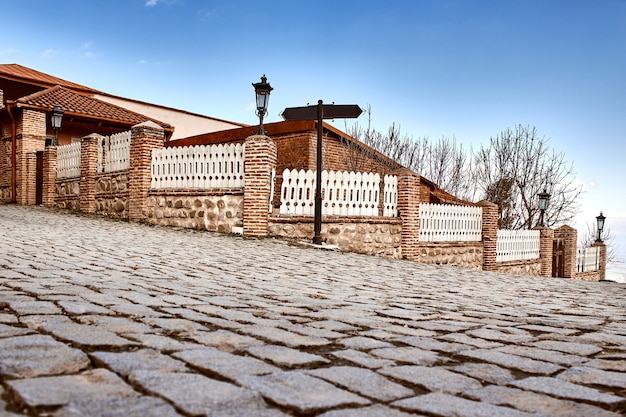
(55,119)
(600,219)
(544,199)
(262,91)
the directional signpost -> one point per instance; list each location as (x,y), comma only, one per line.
(320,112)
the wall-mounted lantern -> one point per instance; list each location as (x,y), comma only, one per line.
(262,91)
(56,117)
(544,199)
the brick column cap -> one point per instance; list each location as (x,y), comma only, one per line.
(405,172)
(150,124)
(485,203)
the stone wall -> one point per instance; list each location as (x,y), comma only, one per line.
(213,211)
(371,236)
(465,255)
(530,267)
(68,194)
(588,276)
(111,194)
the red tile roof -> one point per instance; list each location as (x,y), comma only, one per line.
(82,106)
(23,74)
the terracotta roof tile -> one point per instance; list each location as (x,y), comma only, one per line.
(79,105)
(24,74)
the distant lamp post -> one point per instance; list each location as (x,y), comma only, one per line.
(600,219)
(55,119)
(544,199)
(262,91)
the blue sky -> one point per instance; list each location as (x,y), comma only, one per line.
(459,68)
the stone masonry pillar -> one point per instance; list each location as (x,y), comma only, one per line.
(409,212)
(144,138)
(260,161)
(602,263)
(31,137)
(490,234)
(569,236)
(88,171)
(49,176)
(546,238)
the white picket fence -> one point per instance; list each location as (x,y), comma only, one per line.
(517,245)
(68,161)
(390,208)
(343,193)
(450,223)
(114,152)
(588,259)
(198,167)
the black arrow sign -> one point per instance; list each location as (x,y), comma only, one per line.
(329,111)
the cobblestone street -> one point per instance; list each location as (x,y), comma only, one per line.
(109,318)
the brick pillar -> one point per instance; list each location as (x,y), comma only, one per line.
(490,234)
(409,212)
(31,137)
(49,176)
(260,160)
(546,238)
(602,263)
(569,236)
(88,171)
(144,138)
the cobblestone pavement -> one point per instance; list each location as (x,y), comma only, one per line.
(106,318)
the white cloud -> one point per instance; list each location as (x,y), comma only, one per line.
(48,53)
(151,3)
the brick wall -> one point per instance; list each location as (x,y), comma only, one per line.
(31,137)
(408,207)
(49,176)
(88,170)
(569,236)
(259,162)
(144,138)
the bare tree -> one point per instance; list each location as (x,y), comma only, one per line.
(587,238)
(524,158)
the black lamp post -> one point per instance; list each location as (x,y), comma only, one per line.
(262,91)
(600,219)
(544,199)
(55,120)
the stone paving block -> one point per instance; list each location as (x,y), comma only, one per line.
(34,307)
(565,389)
(284,356)
(301,392)
(85,335)
(608,364)
(134,310)
(6,318)
(82,307)
(39,355)
(162,343)
(277,335)
(60,390)
(118,407)
(614,341)
(471,341)
(312,331)
(499,336)
(333,325)
(10,331)
(363,343)
(227,365)
(592,376)
(371,411)
(543,354)
(225,340)
(507,360)
(549,329)
(361,358)
(174,325)
(198,395)
(432,378)
(581,349)
(363,382)
(118,325)
(536,403)
(447,405)
(125,363)
(428,343)
(485,372)
(412,355)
